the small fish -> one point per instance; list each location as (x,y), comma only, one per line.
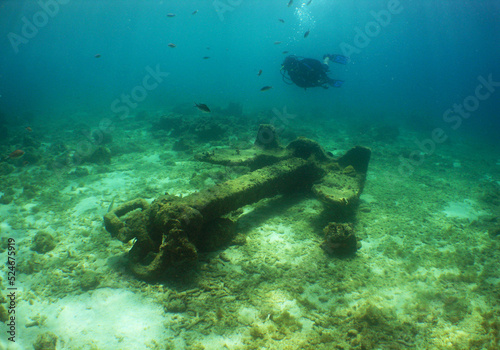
(97,56)
(306,34)
(281,20)
(112,203)
(285,52)
(277,42)
(171,45)
(309,2)
(28,129)
(170,14)
(16,154)
(202,107)
(195,12)
(265,88)
(290,3)
(206,57)
(260,72)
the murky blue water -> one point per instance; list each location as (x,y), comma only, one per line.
(408,59)
(75,76)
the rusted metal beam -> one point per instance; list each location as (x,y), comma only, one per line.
(172,229)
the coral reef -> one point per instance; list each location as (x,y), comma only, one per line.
(45,341)
(89,280)
(43,243)
(208,130)
(339,239)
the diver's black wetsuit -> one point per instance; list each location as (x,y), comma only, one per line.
(308,72)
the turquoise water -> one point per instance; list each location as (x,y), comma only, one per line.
(97,108)
(419,60)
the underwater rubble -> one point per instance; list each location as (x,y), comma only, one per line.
(172,229)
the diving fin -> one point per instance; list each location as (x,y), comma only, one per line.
(336,83)
(339,59)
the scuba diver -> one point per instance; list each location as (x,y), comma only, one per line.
(308,72)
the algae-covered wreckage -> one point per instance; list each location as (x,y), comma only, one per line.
(172,230)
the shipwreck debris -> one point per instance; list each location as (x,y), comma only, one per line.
(172,230)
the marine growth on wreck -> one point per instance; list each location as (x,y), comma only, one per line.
(172,230)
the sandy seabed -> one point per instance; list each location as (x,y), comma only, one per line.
(427,274)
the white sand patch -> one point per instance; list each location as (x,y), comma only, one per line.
(152,158)
(368,198)
(370,245)
(119,181)
(276,239)
(6,230)
(86,204)
(436,273)
(5,227)
(274,236)
(105,319)
(168,182)
(396,298)
(247,315)
(464,210)
(281,302)
(75,189)
(42,222)
(217,342)
(315,294)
